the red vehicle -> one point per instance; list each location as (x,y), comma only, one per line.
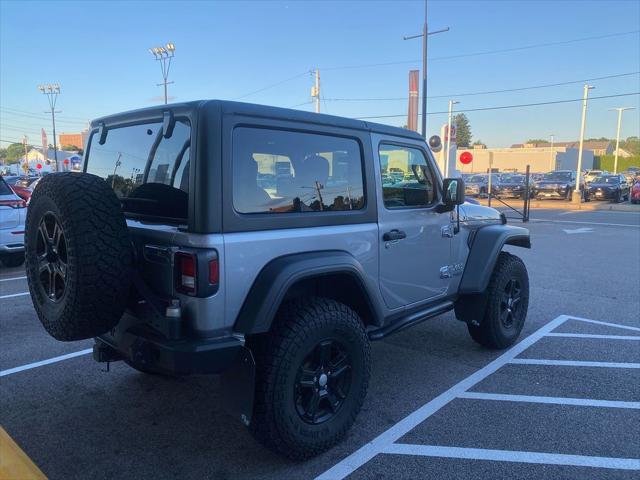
(635,193)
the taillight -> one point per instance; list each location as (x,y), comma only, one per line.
(214,272)
(185,265)
(13,203)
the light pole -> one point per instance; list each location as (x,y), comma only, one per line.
(52,91)
(164,56)
(577,197)
(619,110)
(552,163)
(446,162)
(425,33)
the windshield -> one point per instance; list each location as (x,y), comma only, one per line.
(514,179)
(557,176)
(602,179)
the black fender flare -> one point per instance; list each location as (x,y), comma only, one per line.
(276,277)
(487,243)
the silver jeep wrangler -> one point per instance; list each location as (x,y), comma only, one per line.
(267,245)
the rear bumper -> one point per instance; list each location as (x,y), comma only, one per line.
(144,347)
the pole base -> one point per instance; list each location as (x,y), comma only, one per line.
(577,197)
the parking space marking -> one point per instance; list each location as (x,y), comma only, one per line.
(606,324)
(386,441)
(21,294)
(572,363)
(10,279)
(593,335)
(41,363)
(513,456)
(581,402)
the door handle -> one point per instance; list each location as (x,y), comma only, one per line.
(394,235)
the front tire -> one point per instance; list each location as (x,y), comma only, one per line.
(507,304)
(312,374)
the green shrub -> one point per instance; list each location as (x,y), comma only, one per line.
(605,162)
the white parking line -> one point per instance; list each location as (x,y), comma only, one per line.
(514,456)
(386,441)
(21,294)
(581,402)
(606,324)
(49,361)
(592,335)
(572,363)
(10,279)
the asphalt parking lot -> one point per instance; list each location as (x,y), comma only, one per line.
(562,403)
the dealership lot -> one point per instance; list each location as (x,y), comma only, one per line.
(563,403)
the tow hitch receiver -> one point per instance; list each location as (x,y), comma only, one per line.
(104,353)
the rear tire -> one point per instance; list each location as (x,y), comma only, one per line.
(312,374)
(78,255)
(12,260)
(507,304)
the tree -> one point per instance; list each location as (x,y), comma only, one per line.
(72,148)
(536,140)
(15,152)
(478,142)
(463,130)
(631,145)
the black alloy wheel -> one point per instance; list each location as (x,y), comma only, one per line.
(510,303)
(51,254)
(323,382)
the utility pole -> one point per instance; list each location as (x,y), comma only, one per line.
(577,197)
(118,163)
(164,56)
(52,91)
(619,110)
(24,143)
(315,90)
(446,162)
(552,163)
(425,33)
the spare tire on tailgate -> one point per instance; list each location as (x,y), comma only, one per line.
(78,255)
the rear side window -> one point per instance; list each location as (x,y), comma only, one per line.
(277,171)
(148,172)
(407,179)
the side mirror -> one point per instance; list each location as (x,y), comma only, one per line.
(453,192)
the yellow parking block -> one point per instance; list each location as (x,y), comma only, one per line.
(14,463)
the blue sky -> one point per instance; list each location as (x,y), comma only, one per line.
(98,52)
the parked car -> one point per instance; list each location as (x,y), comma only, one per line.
(556,184)
(590,175)
(510,186)
(477,185)
(281,292)
(608,187)
(635,193)
(12,217)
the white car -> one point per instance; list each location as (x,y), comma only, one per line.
(591,174)
(13,213)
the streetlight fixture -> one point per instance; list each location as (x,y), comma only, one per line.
(446,162)
(577,197)
(619,110)
(52,90)
(164,56)
(425,33)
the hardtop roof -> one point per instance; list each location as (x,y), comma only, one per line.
(264,111)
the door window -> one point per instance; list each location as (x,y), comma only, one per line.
(407,178)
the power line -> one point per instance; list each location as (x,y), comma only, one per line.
(487,92)
(501,107)
(272,85)
(35,114)
(34,117)
(486,52)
